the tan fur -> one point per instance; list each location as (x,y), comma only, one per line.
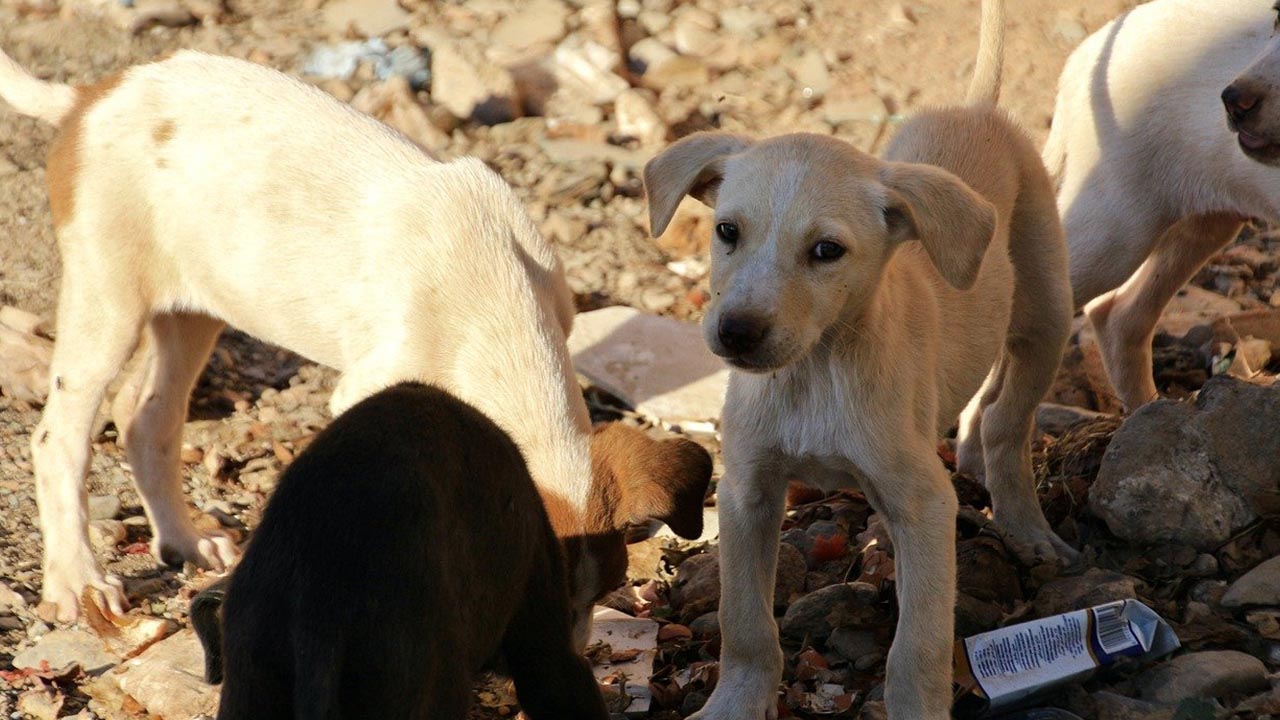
(63,163)
(951,295)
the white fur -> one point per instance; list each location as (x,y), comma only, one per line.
(212,190)
(1151,180)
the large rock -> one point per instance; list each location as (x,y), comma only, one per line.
(816,614)
(658,365)
(468,85)
(167,679)
(1259,586)
(696,588)
(1094,587)
(61,648)
(1207,674)
(370,18)
(1193,473)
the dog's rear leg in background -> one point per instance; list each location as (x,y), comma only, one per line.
(206,620)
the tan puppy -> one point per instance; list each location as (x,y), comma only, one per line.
(861,303)
(202,190)
(1151,180)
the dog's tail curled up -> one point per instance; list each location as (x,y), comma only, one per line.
(984,88)
(32,96)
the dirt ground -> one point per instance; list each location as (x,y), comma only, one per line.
(256,405)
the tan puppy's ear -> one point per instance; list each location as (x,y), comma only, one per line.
(954,223)
(645,479)
(692,166)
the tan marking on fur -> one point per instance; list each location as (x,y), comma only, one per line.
(163,132)
(63,164)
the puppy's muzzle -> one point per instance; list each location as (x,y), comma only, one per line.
(741,334)
(1240,103)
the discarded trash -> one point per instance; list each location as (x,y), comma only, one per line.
(632,645)
(997,670)
(339,60)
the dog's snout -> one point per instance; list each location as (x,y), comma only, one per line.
(740,334)
(1240,101)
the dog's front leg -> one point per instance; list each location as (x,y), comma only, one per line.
(751,497)
(913,492)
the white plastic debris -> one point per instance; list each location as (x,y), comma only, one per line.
(636,640)
(999,669)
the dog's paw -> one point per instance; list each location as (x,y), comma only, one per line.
(66,587)
(746,697)
(210,551)
(1036,546)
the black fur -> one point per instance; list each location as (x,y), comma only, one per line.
(403,550)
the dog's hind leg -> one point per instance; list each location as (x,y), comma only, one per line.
(1125,318)
(180,345)
(969,435)
(98,329)
(1038,329)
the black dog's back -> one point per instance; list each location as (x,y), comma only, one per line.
(406,547)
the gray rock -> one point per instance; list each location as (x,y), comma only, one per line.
(811,615)
(852,644)
(104,507)
(1259,586)
(696,588)
(1192,473)
(706,626)
(1110,706)
(60,648)
(167,679)
(975,616)
(1094,587)
(1206,674)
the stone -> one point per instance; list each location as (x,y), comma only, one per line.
(852,643)
(985,571)
(61,648)
(746,22)
(585,70)
(810,72)
(862,108)
(24,365)
(1194,306)
(1192,473)
(1095,587)
(678,71)
(106,534)
(657,365)
(369,18)
(468,85)
(537,22)
(810,617)
(1205,674)
(9,599)
(394,103)
(706,626)
(635,116)
(1110,706)
(695,590)
(104,507)
(1055,419)
(167,679)
(1259,586)
(974,616)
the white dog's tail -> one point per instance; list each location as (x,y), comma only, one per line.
(984,89)
(32,96)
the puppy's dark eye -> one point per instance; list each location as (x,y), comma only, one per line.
(727,232)
(827,250)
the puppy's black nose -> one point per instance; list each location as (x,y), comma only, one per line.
(1240,102)
(740,334)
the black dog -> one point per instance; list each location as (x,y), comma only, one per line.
(404,549)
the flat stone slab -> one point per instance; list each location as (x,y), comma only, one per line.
(60,648)
(659,366)
(167,679)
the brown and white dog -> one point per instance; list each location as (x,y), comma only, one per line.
(404,550)
(1151,179)
(199,191)
(861,302)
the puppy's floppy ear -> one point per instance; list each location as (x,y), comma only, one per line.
(647,479)
(692,166)
(954,223)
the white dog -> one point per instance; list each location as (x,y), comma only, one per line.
(861,302)
(1151,180)
(202,190)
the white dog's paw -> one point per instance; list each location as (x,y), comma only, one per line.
(748,696)
(210,551)
(64,586)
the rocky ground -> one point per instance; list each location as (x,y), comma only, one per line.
(1177,505)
